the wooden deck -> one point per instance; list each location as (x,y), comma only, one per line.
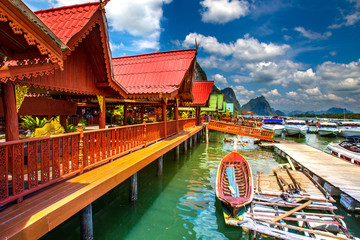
(41,213)
(337,172)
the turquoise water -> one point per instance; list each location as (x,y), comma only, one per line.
(181,204)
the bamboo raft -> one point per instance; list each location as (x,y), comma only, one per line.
(289,204)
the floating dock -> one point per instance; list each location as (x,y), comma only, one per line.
(339,177)
(288,200)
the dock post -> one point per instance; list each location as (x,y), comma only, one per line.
(133,188)
(207,135)
(190,141)
(86,223)
(177,152)
(185,146)
(160,165)
(195,138)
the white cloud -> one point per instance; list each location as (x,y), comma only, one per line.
(292,94)
(245,49)
(312,35)
(243,94)
(340,77)
(223,11)
(140,18)
(271,94)
(218,78)
(115,47)
(313,91)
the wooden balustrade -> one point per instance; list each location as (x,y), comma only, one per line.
(73,120)
(32,164)
(242,130)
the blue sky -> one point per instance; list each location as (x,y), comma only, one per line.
(300,54)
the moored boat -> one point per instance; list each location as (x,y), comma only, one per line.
(296,127)
(347,128)
(234,184)
(276,125)
(348,149)
(327,129)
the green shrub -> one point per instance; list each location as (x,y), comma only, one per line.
(28,122)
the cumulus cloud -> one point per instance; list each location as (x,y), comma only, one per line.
(313,91)
(223,11)
(312,35)
(218,78)
(340,77)
(292,94)
(243,94)
(245,49)
(271,94)
(140,18)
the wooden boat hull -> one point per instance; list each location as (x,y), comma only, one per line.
(234,190)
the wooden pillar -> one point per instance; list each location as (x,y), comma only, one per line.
(86,223)
(207,135)
(133,188)
(195,138)
(176,115)
(125,113)
(164,117)
(190,141)
(102,115)
(177,152)
(160,166)
(197,114)
(10,113)
(185,146)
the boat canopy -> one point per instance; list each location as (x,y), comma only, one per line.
(273,120)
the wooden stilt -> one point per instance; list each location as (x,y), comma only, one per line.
(207,135)
(190,142)
(86,223)
(185,146)
(177,152)
(133,188)
(195,138)
(160,166)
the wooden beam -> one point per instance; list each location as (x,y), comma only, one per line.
(102,84)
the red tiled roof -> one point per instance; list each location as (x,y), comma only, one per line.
(66,21)
(201,91)
(153,73)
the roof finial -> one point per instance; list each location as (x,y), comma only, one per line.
(103,3)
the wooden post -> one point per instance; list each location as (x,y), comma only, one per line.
(177,152)
(133,188)
(197,114)
(144,135)
(190,141)
(81,148)
(86,223)
(207,135)
(102,115)
(185,146)
(10,113)
(63,121)
(125,113)
(164,117)
(160,166)
(176,115)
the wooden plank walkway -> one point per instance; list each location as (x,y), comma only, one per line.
(38,215)
(337,172)
(234,128)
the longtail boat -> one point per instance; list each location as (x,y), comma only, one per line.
(234,184)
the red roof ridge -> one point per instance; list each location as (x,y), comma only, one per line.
(155,53)
(66,7)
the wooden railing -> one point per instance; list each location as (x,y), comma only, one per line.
(32,164)
(242,130)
